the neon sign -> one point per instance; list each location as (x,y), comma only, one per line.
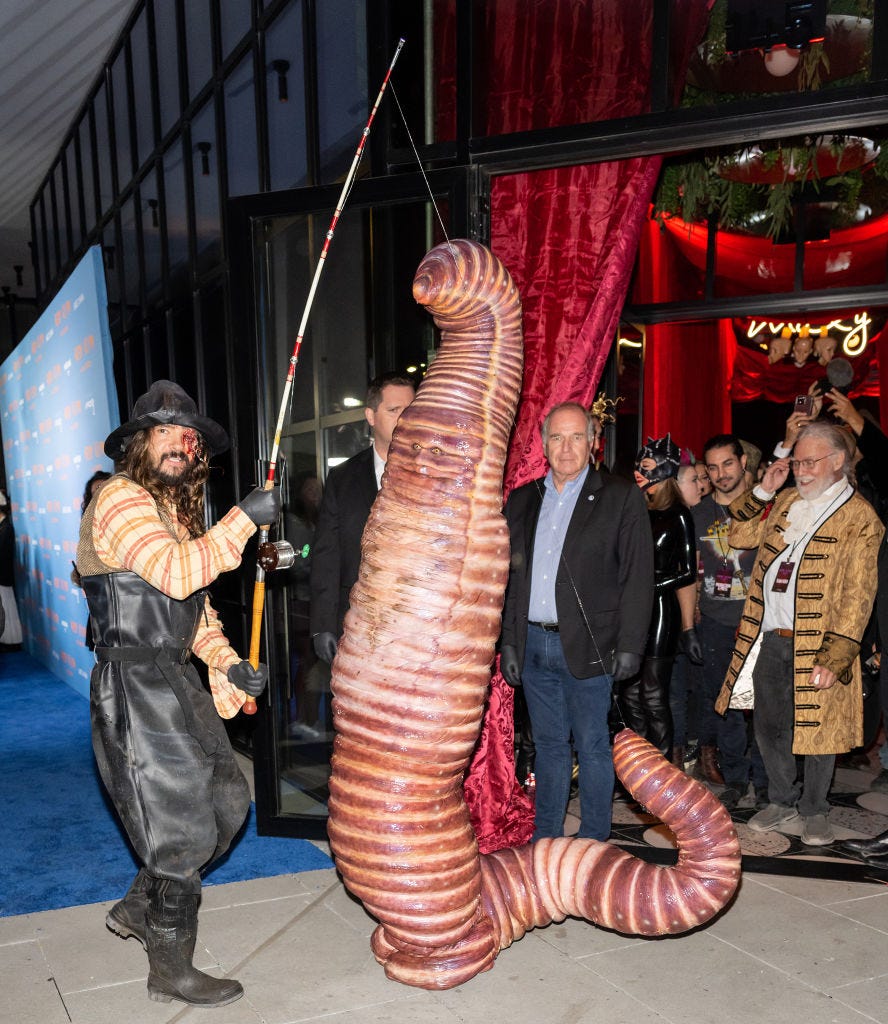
(853,335)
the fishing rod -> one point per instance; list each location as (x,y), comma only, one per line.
(280,554)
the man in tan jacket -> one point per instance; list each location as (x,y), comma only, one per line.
(797,646)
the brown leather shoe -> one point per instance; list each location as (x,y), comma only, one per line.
(707,766)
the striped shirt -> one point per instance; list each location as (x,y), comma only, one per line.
(129,534)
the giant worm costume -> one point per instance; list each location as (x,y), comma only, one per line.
(412,672)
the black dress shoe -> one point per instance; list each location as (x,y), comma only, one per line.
(730,797)
(875,847)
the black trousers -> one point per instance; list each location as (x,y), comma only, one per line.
(181,797)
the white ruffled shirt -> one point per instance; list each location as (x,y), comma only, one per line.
(803,519)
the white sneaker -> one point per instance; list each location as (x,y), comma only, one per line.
(817,831)
(772,817)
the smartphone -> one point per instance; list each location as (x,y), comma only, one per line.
(804,404)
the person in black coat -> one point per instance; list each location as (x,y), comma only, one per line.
(576,615)
(10,624)
(645,698)
(349,493)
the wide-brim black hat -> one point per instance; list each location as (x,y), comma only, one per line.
(165,402)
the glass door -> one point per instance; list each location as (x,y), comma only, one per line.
(363,322)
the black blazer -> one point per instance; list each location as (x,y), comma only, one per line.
(605,581)
(349,493)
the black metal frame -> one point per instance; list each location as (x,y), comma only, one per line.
(452,185)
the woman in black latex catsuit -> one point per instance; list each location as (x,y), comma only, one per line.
(645,699)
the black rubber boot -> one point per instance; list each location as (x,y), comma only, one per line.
(172,933)
(127,917)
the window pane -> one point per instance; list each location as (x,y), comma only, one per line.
(212,328)
(158,351)
(206,187)
(135,355)
(235,25)
(167,64)
(103,144)
(240,129)
(184,368)
(142,86)
(176,215)
(359,326)
(286,117)
(151,237)
(342,83)
(283,276)
(73,194)
(61,213)
(44,227)
(130,257)
(111,251)
(86,172)
(121,122)
(199,38)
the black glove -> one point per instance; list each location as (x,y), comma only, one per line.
(689,642)
(325,646)
(251,680)
(509,665)
(626,665)
(262,506)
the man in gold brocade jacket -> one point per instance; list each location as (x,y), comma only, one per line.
(810,596)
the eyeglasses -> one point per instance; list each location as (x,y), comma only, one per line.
(806,464)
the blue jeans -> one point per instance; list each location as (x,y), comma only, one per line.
(729,734)
(561,706)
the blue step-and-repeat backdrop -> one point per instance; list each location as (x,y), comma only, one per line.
(58,403)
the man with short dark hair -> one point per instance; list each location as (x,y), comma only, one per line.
(145,559)
(809,600)
(349,493)
(724,742)
(576,615)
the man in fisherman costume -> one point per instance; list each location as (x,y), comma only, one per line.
(146,559)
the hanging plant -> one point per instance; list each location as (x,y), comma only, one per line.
(757,188)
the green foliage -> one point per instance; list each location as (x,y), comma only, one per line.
(694,189)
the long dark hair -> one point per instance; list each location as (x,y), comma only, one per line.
(188,496)
(100,474)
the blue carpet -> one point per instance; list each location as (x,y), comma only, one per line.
(60,841)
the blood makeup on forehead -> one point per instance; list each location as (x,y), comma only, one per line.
(194,445)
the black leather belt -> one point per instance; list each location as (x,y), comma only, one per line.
(165,659)
(178,655)
(549,627)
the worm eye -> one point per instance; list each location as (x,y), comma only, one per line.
(417,447)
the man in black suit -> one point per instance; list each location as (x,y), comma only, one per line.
(349,492)
(576,615)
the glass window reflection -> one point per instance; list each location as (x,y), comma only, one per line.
(284,72)
(342,83)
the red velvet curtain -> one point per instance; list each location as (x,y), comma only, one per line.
(569,238)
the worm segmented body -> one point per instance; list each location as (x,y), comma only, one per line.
(411,675)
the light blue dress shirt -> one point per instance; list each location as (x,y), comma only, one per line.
(551,529)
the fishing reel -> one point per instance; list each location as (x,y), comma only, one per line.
(277,554)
